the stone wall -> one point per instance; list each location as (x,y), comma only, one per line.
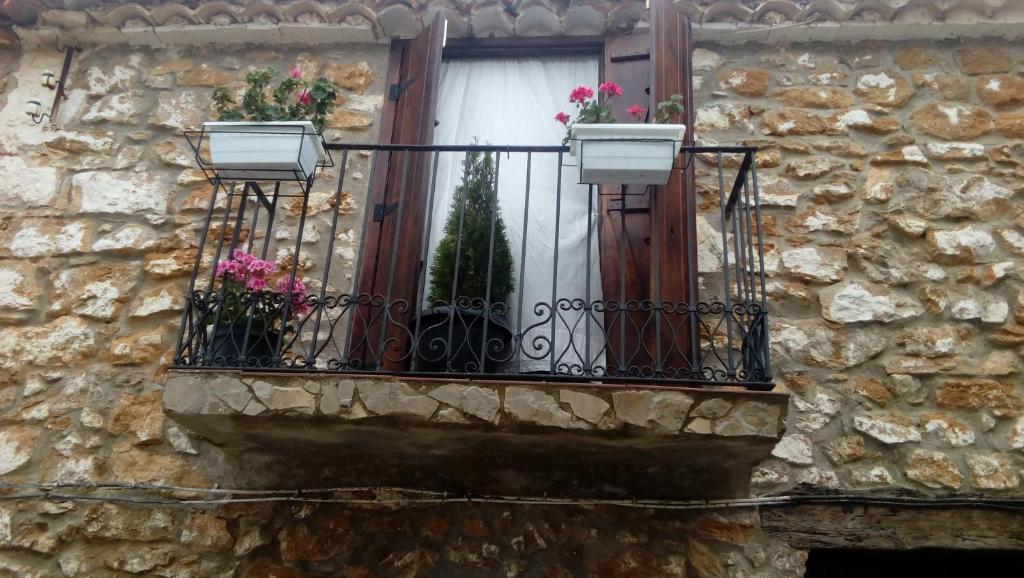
(891,180)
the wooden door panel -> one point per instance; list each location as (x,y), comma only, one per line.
(390,264)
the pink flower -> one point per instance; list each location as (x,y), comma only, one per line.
(562,118)
(637,111)
(256,284)
(305,98)
(580,94)
(295,73)
(298,291)
(610,89)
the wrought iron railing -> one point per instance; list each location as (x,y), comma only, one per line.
(604,283)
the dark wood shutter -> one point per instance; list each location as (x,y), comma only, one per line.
(390,261)
(650,65)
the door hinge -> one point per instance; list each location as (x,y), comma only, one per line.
(396,90)
(381,210)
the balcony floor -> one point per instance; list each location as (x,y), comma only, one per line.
(478,437)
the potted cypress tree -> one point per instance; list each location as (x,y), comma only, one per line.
(471,279)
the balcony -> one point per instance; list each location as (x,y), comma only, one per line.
(493,325)
(542,285)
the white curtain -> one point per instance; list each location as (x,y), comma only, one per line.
(513,102)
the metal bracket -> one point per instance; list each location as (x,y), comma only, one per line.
(381,210)
(396,90)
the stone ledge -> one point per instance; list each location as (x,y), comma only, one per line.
(474,436)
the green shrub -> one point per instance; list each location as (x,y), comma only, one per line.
(475,199)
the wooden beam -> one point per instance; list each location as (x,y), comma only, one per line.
(893,527)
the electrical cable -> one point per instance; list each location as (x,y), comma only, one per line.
(368,495)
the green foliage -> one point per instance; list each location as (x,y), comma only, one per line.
(284,102)
(475,200)
(668,110)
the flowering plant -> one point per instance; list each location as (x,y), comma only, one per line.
(592,110)
(293,99)
(247,293)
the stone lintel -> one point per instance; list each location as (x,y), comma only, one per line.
(482,436)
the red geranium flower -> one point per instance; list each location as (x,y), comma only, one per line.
(610,89)
(580,94)
(562,118)
(637,111)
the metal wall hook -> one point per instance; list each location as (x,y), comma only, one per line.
(35,111)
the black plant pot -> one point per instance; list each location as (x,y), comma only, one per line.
(465,349)
(226,344)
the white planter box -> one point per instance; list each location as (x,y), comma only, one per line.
(252,151)
(641,154)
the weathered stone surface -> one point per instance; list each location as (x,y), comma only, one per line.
(116,522)
(945,86)
(66,341)
(121,108)
(725,117)
(19,290)
(750,418)
(140,415)
(859,302)
(992,472)
(336,396)
(952,121)
(206,533)
(822,264)
(846,449)
(585,406)
(933,469)
(908,155)
(964,244)
(713,408)
(931,341)
(887,428)
(285,399)
(95,291)
(179,111)
(170,264)
(874,390)
(809,169)
(205,75)
(1001,91)
(157,300)
(863,121)
(348,120)
(137,348)
(663,411)
(979,306)
(974,58)
(794,121)
(534,406)
(130,463)
(915,57)
(954,151)
(950,430)
(395,399)
(137,559)
(126,238)
(27,186)
(1011,124)
(121,194)
(976,394)
(45,237)
(795,449)
(479,402)
(16,445)
(355,77)
(815,97)
(884,89)
(747,81)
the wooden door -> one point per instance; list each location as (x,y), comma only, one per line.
(648,234)
(390,263)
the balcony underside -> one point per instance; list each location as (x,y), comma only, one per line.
(478,437)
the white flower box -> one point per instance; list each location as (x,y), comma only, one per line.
(253,151)
(640,154)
